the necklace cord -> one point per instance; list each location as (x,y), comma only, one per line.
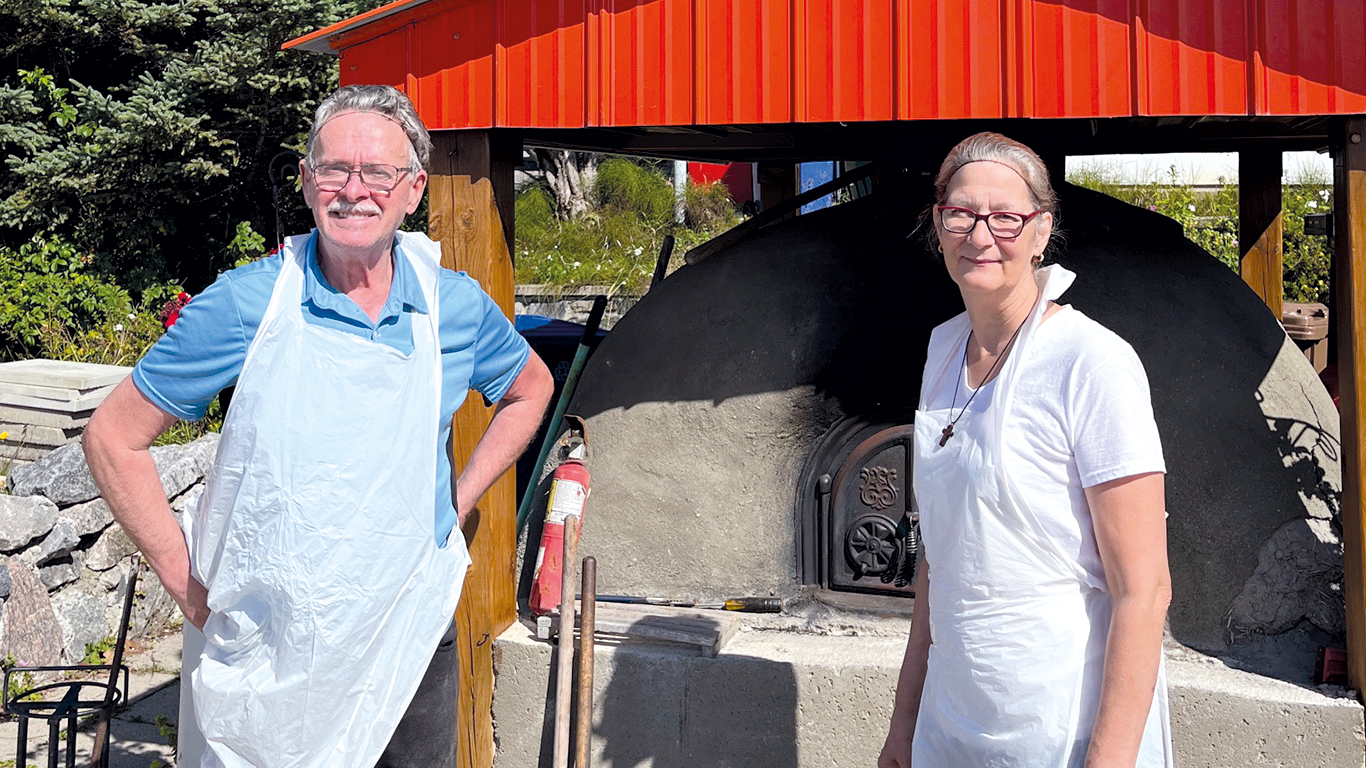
(963,367)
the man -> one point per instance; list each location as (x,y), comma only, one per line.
(319,573)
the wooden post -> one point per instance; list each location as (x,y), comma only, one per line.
(777,182)
(1259,224)
(470,213)
(1349,287)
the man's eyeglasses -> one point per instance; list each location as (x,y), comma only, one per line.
(377,177)
(961,221)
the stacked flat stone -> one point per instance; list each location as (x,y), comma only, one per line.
(64,560)
(44,404)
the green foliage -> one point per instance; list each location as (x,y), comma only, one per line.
(169,732)
(19,682)
(1210,219)
(188,431)
(46,284)
(1305,258)
(142,132)
(707,206)
(625,186)
(247,245)
(95,652)
(618,242)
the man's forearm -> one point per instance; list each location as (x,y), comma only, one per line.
(115,444)
(507,436)
(513,425)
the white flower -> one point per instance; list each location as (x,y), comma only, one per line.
(639,251)
(576,264)
(1191,207)
(1323,193)
(118,327)
(132,316)
(1312,204)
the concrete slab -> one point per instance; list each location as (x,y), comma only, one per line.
(79,402)
(37,435)
(782,699)
(49,393)
(23,451)
(45,417)
(135,738)
(61,373)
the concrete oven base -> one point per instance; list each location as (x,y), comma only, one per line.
(780,699)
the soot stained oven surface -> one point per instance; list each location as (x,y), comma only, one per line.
(861,533)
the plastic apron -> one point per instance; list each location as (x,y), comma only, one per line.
(1018,627)
(328,594)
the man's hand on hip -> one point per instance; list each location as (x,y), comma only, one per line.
(514,423)
(116,444)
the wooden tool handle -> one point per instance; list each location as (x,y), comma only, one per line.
(583,730)
(564,658)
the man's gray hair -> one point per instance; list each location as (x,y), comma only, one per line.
(383,100)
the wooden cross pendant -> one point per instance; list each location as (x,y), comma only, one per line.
(948,432)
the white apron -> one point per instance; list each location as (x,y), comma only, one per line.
(327,591)
(1018,627)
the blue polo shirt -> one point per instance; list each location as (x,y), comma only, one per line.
(204,351)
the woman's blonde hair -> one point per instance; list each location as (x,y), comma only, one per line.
(995,148)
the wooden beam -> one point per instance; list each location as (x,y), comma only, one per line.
(1349,286)
(1259,224)
(471,214)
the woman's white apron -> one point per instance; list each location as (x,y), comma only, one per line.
(1018,627)
(327,591)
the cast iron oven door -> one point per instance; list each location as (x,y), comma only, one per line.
(870,532)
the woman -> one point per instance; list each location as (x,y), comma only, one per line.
(1036,637)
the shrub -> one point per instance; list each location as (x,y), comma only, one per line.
(45,286)
(624,186)
(617,243)
(1210,220)
(707,206)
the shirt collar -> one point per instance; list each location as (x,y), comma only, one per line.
(404,293)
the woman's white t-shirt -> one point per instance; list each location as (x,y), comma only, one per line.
(1082,415)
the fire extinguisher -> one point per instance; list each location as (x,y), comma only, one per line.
(568,493)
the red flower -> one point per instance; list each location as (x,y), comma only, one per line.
(170,311)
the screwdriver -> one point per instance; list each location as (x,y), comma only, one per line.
(747,604)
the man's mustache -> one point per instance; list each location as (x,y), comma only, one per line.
(343,208)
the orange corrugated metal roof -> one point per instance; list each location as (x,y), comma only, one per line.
(585,63)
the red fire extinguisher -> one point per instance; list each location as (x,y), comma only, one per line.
(568,494)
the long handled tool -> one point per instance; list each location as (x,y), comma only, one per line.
(564,657)
(583,726)
(552,430)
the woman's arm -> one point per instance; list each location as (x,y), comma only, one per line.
(896,751)
(1129,517)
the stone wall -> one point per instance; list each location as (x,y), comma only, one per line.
(573,304)
(66,562)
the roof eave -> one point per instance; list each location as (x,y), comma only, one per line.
(320,41)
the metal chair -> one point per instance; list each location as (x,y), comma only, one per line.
(78,698)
